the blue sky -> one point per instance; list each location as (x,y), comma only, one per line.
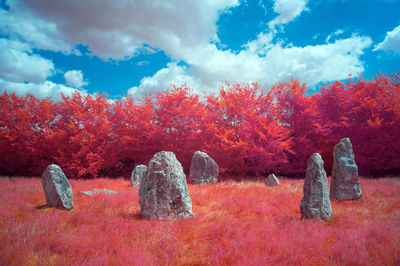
(48,47)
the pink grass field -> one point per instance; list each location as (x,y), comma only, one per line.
(235,223)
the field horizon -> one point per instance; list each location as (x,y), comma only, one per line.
(234,223)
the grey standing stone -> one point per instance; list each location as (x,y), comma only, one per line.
(316,202)
(203,169)
(163,191)
(56,187)
(272,180)
(344,184)
(137,174)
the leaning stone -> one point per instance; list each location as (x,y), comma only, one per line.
(56,187)
(203,169)
(163,191)
(272,180)
(137,174)
(344,184)
(316,202)
(95,191)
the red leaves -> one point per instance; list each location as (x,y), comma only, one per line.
(244,128)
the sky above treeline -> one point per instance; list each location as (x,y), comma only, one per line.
(136,47)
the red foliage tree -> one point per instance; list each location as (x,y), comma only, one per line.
(246,136)
(296,112)
(83,134)
(178,120)
(25,129)
(375,124)
(133,129)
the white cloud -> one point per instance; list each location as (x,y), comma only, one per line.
(265,62)
(172,74)
(287,10)
(391,41)
(74,78)
(18,64)
(40,90)
(115,30)
(34,30)
(336,33)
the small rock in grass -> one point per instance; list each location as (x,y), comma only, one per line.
(163,191)
(94,191)
(272,180)
(56,187)
(137,174)
(316,202)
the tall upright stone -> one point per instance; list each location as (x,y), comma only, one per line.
(56,187)
(163,191)
(137,174)
(344,184)
(316,202)
(271,180)
(203,169)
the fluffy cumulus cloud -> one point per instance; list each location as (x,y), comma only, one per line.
(40,90)
(115,30)
(18,64)
(263,61)
(172,75)
(391,41)
(34,30)
(74,78)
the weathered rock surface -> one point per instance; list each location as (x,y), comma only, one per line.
(137,174)
(344,184)
(203,169)
(56,187)
(316,202)
(94,191)
(272,180)
(163,191)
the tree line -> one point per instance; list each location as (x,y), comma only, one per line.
(245,129)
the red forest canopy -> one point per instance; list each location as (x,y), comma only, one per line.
(245,129)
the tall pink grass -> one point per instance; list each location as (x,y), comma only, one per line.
(235,223)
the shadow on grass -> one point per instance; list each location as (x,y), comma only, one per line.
(133,216)
(44,206)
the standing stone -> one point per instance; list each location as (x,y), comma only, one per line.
(56,187)
(272,180)
(345,184)
(137,174)
(316,202)
(163,192)
(203,169)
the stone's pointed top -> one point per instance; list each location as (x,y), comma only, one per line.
(344,148)
(315,202)
(315,161)
(162,159)
(163,192)
(272,180)
(200,153)
(57,189)
(203,169)
(137,174)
